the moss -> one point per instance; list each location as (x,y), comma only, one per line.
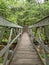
(1,60)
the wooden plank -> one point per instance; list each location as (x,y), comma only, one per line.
(23,55)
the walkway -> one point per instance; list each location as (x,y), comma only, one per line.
(25,53)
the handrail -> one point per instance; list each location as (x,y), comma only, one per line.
(8,45)
(7,51)
(45,49)
(36,47)
(6,23)
(41,41)
(42,22)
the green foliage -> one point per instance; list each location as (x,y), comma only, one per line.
(23,12)
(42,55)
(1,60)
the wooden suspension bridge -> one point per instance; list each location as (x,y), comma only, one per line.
(25,52)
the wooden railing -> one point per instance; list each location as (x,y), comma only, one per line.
(40,23)
(44,49)
(6,50)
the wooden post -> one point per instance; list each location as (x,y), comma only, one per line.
(2,33)
(6,54)
(43,47)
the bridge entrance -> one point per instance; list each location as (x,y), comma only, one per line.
(25,53)
(25,29)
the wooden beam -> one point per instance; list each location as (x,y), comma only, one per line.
(6,23)
(42,22)
(8,45)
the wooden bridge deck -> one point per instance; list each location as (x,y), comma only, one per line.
(25,53)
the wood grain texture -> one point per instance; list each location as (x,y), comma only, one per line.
(25,53)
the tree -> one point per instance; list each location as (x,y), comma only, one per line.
(23,12)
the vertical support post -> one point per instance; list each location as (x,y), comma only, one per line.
(15,32)
(2,33)
(19,30)
(30,32)
(42,44)
(34,35)
(6,54)
(46,31)
(46,58)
